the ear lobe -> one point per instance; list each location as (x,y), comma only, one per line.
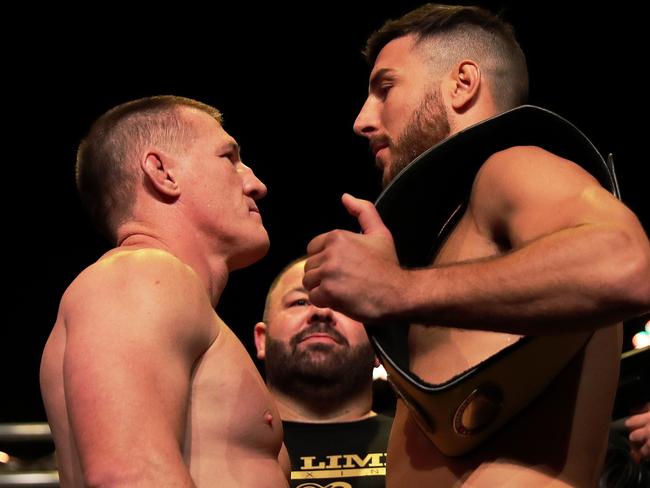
(260,340)
(160,175)
(466,82)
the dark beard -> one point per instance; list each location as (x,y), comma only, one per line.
(318,372)
(428,126)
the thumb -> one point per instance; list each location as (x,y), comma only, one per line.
(366,214)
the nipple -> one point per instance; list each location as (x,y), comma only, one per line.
(268,418)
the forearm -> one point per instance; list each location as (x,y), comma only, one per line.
(575,279)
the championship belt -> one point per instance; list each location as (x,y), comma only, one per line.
(420,207)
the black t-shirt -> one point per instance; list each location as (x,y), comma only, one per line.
(338,455)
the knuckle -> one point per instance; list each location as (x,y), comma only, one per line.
(332,238)
(337,236)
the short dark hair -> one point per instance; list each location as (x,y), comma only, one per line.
(464,31)
(105,158)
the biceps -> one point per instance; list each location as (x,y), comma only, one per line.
(121,396)
(590,205)
(525,193)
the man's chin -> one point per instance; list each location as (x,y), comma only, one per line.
(388,173)
(386,179)
(256,251)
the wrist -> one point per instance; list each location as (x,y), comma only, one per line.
(398,303)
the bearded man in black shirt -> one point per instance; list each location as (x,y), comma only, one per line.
(319,366)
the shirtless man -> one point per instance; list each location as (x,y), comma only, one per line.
(144,385)
(541,249)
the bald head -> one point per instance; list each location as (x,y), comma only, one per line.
(271,293)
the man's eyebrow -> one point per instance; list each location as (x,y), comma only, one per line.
(378,76)
(299,289)
(230,146)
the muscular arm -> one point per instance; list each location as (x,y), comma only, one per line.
(571,257)
(135,324)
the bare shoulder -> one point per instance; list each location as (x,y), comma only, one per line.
(524,192)
(134,325)
(130,274)
(525,172)
(148,285)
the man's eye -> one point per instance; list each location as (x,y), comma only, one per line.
(301,302)
(231,156)
(384,89)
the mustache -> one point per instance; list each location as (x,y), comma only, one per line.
(377,140)
(315,328)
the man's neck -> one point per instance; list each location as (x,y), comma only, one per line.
(323,410)
(212,270)
(479,112)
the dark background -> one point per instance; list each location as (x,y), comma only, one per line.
(290,81)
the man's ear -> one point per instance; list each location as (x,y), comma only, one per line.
(260,340)
(463,85)
(160,174)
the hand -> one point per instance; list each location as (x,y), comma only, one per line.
(639,427)
(356,274)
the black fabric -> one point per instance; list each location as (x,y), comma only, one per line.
(341,455)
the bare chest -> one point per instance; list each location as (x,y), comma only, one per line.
(231,410)
(439,353)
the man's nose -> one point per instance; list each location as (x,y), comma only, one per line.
(253,186)
(317,314)
(366,122)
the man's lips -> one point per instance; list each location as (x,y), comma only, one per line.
(319,337)
(375,147)
(319,333)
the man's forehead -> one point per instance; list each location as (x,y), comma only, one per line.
(292,278)
(226,141)
(290,281)
(394,54)
(201,119)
